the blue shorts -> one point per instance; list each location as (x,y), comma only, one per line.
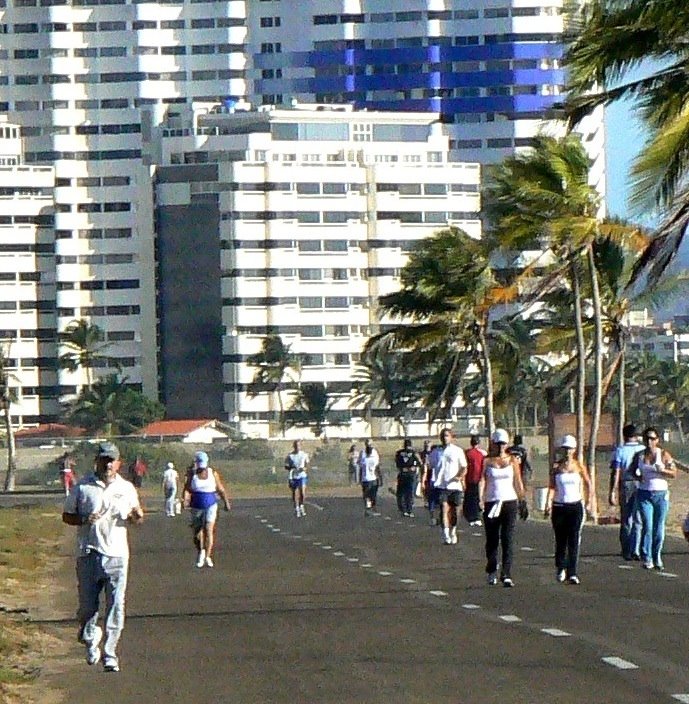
(299,483)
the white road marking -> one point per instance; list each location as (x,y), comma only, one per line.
(338,554)
(625,567)
(365,564)
(257,516)
(437,592)
(620,663)
(317,544)
(384,574)
(525,549)
(297,537)
(352,559)
(470,607)
(316,506)
(408,581)
(478,535)
(275,530)
(326,547)
(509,618)
(269,525)
(555,632)
(667,574)
(387,518)
(681,698)
(264,520)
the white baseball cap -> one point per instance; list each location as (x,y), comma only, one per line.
(500,436)
(170,465)
(569,442)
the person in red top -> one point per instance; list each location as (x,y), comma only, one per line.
(472,507)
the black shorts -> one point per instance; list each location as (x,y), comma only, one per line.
(450,496)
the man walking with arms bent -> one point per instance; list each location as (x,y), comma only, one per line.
(101,505)
(450,481)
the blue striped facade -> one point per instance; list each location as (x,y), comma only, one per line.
(356,83)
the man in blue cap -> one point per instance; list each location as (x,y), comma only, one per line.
(102,505)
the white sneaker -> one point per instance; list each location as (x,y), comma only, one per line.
(447,538)
(574,579)
(201,560)
(111,664)
(561,576)
(209,562)
(507,582)
(368,503)
(303,510)
(297,511)
(453,536)
(492,579)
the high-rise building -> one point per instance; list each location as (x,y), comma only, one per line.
(28,325)
(88,81)
(317,208)
(492,69)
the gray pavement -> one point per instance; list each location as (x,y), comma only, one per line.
(336,607)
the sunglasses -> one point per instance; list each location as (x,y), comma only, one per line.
(652,437)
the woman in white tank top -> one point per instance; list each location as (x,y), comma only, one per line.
(569,488)
(502,493)
(656,466)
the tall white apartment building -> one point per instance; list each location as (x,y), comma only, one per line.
(492,69)
(317,208)
(28,323)
(87,81)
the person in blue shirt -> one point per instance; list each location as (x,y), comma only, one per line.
(624,485)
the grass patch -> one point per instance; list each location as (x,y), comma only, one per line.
(29,536)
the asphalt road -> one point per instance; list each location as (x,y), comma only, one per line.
(336,607)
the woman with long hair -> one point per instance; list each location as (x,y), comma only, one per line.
(502,493)
(655,466)
(569,488)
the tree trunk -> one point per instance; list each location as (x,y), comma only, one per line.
(487,377)
(597,405)
(11,476)
(680,430)
(581,362)
(281,420)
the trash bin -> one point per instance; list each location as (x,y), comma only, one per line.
(540,496)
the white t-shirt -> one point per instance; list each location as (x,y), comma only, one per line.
(297,462)
(170,477)
(651,478)
(452,461)
(368,464)
(499,483)
(113,502)
(568,488)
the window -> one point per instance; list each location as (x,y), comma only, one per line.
(334,189)
(435,189)
(309,245)
(336,302)
(325,19)
(308,188)
(310,302)
(335,245)
(310,274)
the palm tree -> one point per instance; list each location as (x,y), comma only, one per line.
(387,378)
(273,362)
(85,343)
(311,407)
(448,292)
(8,396)
(111,407)
(611,39)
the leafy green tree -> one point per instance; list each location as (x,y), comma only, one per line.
(448,289)
(274,362)
(389,379)
(85,345)
(611,39)
(113,408)
(311,407)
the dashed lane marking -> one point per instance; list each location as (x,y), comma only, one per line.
(625,567)
(525,549)
(338,554)
(387,518)
(264,520)
(671,575)
(471,607)
(478,535)
(555,632)
(352,559)
(326,547)
(317,544)
(385,574)
(619,663)
(509,618)
(408,581)
(681,698)
(275,530)
(365,564)
(437,592)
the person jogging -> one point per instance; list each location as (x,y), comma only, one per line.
(102,505)
(502,494)
(449,480)
(297,465)
(408,465)
(170,486)
(568,489)
(370,477)
(202,487)
(624,487)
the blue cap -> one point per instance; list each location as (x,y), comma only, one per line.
(201,460)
